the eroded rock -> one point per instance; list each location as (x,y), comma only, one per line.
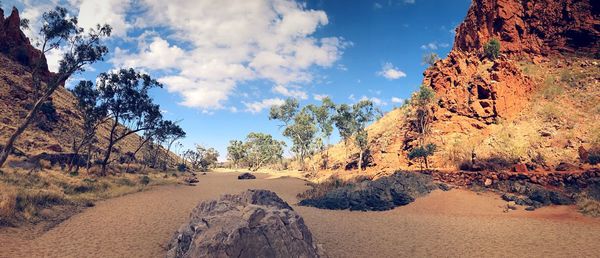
(255,223)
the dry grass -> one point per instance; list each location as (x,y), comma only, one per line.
(29,196)
(588,206)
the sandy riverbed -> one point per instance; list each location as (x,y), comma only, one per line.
(450,224)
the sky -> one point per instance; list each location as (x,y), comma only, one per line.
(224,63)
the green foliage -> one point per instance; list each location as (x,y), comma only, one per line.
(491,49)
(236,152)
(430,58)
(262,149)
(344,121)
(324,117)
(422,153)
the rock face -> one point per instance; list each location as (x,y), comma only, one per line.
(255,223)
(470,86)
(382,194)
(533,27)
(17,46)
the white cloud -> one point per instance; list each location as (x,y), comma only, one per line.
(227,44)
(375,100)
(390,72)
(290,93)
(111,12)
(258,106)
(319,97)
(434,46)
(409,1)
(377,6)
(397,100)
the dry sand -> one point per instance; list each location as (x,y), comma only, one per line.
(457,223)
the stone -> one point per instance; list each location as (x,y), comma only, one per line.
(246,176)
(487,182)
(190,180)
(520,168)
(511,205)
(254,223)
(565,166)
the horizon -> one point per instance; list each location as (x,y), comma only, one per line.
(220,83)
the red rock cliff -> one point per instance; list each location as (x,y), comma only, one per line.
(532,27)
(16,45)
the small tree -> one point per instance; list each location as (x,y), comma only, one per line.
(363,112)
(125,94)
(299,126)
(344,121)
(93,115)
(59,30)
(236,152)
(491,49)
(430,58)
(422,153)
(324,117)
(262,149)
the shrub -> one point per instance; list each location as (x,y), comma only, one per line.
(588,206)
(550,113)
(551,90)
(8,205)
(492,163)
(594,156)
(491,49)
(182,167)
(145,180)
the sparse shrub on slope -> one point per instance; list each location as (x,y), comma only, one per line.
(491,49)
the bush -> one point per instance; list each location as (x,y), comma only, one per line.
(588,206)
(8,203)
(594,156)
(491,49)
(492,163)
(182,167)
(145,180)
(551,89)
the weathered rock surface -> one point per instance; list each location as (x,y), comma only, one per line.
(382,194)
(531,28)
(255,223)
(246,176)
(17,46)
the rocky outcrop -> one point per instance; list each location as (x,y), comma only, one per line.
(469,86)
(381,194)
(17,46)
(255,223)
(531,28)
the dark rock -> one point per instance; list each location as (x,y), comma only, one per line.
(246,176)
(530,208)
(385,193)
(190,180)
(564,166)
(520,168)
(255,223)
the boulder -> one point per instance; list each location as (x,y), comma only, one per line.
(190,180)
(520,168)
(382,194)
(255,223)
(565,166)
(246,176)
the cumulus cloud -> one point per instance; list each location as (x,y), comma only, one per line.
(258,106)
(434,46)
(111,12)
(319,97)
(290,92)
(390,72)
(397,100)
(226,45)
(375,100)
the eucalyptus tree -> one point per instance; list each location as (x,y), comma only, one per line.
(236,152)
(364,113)
(125,94)
(59,30)
(344,122)
(262,149)
(93,114)
(324,117)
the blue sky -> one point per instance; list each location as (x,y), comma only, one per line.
(223,63)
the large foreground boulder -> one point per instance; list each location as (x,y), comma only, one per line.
(255,223)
